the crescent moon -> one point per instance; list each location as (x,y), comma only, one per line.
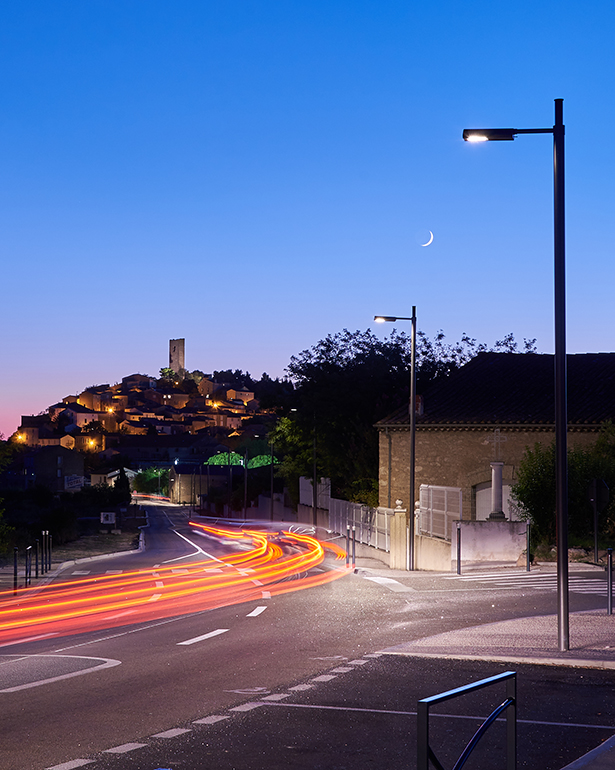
(430,239)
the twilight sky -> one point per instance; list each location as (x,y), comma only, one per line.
(253,175)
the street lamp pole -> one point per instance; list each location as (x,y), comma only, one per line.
(412,416)
(561,416)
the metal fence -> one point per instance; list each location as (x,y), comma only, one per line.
(439,508)
(372,526)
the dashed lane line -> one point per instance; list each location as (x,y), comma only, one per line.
(125,748)
(211,720)
(202,638)
(72,765)
(173,733)
(256,612)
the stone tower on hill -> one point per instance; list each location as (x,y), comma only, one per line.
(176,355)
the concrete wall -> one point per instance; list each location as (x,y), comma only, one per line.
(489,543)
(432,554)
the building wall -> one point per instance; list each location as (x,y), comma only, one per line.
(457,458)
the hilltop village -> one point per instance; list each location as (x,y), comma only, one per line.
(142,421)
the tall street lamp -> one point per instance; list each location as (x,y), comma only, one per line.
(561,417)
(412,412)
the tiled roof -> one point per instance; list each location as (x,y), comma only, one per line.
(517,388)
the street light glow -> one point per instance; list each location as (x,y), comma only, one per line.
(380,319)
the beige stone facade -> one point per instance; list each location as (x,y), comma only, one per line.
(459,457)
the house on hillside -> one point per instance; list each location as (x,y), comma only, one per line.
(488,412)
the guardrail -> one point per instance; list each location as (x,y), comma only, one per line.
(425,753)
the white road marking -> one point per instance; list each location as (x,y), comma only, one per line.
(542,581)
(194,545)
(250,691)
(211,634)
(213,569)
(81,572)
(125,747)
(172,733)
(247,706)
(257,582)
(211,720)
(301,687)
(159,584)
(182,571)
(323,678)
(276,696)
(114,572)
(120,614)
(342,670)
(72,765)
(392,585)
(255,612)
(28,639)
(154,598)
(439,716)
(266,594)
(357,662)
(106,663)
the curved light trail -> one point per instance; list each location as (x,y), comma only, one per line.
(267,563)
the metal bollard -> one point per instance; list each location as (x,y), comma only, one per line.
(50,548)
(36,559)
(354,540)
(528,528)
(347,545)
(609,581)
(15,570)
(459,548)
(43,553)
(28,568)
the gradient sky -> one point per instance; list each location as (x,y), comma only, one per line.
(253,175)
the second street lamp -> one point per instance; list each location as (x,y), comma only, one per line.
(412,415)
(561,416)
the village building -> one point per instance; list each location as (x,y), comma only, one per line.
(481,419)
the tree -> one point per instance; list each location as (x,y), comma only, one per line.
(167,373)
(122,486)
(535,487)
(343,386)
(94,427)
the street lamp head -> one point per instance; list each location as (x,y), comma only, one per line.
(380,319)
(489,134)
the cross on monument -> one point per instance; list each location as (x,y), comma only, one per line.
(496,440)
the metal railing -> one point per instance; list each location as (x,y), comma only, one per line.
(425,753)
(439,508)
(372,526)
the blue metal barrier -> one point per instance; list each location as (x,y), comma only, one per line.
(425,753)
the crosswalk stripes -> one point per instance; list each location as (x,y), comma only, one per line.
(541,581)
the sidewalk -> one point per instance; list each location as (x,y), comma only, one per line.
(530,640)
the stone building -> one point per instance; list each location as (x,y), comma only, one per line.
(487,413)
(177,355)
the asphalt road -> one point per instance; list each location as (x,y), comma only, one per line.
(143,680)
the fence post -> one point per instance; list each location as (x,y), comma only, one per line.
(528,529)
(459,547)
(422,736)
(511,724)
(36,560)
(15,570)
(354,540)
(50,548)
(609,578)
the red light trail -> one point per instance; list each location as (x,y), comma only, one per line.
(271,562)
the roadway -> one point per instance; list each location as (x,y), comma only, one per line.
(99,697)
